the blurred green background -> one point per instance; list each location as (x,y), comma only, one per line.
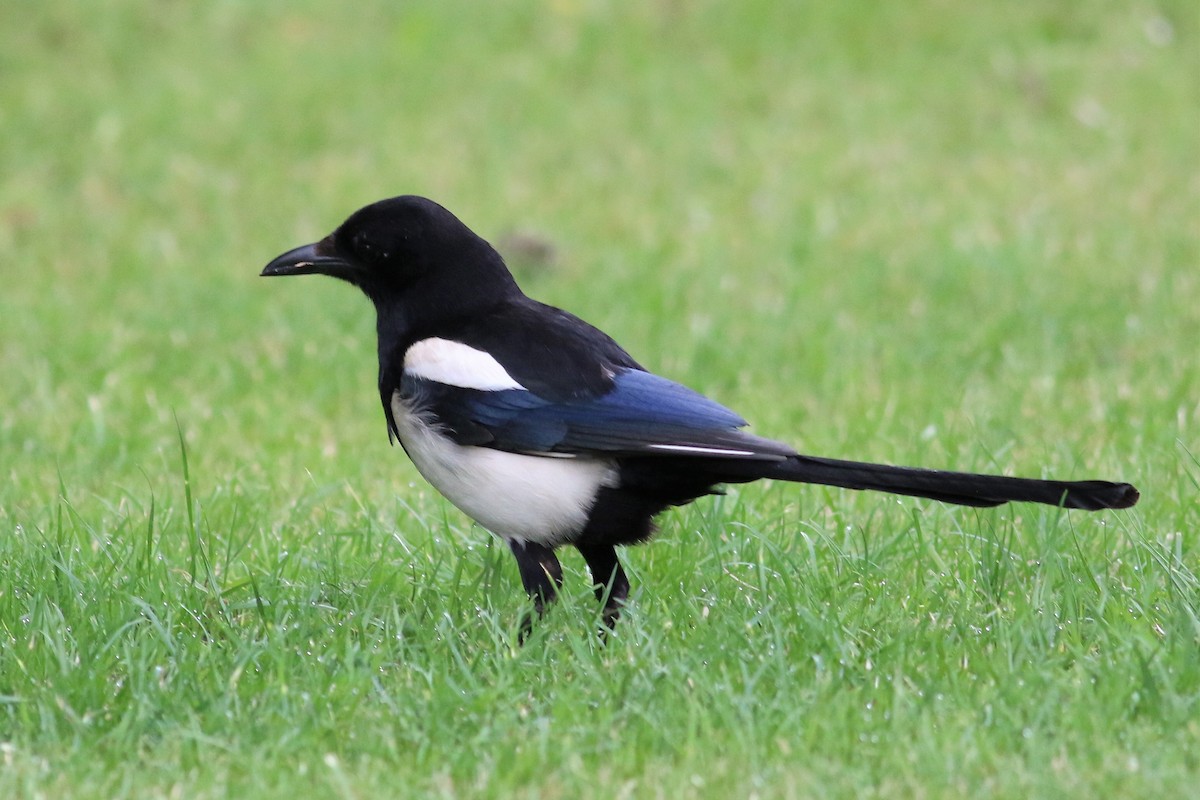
(954,235)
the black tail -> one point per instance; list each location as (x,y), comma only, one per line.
(962,488)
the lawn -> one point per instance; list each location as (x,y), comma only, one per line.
(953,235)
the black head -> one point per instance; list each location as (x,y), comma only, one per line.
(403,249)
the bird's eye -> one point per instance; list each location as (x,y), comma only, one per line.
(364,247)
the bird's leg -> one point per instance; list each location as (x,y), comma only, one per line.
(609,581)
(542,576)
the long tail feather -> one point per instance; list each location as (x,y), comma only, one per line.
(961,488)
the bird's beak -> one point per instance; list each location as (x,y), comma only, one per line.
(319,258)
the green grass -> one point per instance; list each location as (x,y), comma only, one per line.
(921,233)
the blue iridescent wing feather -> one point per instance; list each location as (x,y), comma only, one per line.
(641,414)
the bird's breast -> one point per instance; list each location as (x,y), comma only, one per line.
(514,495)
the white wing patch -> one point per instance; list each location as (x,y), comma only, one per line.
(707,451)
(457,364)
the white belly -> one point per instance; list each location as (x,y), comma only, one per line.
(527,498)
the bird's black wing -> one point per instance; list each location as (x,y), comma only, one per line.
(641,414)
(550,352)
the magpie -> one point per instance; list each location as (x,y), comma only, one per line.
(543,430)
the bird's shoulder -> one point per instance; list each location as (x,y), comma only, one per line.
(548,351)
(545,351)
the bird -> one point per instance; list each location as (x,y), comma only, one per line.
(546,432)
